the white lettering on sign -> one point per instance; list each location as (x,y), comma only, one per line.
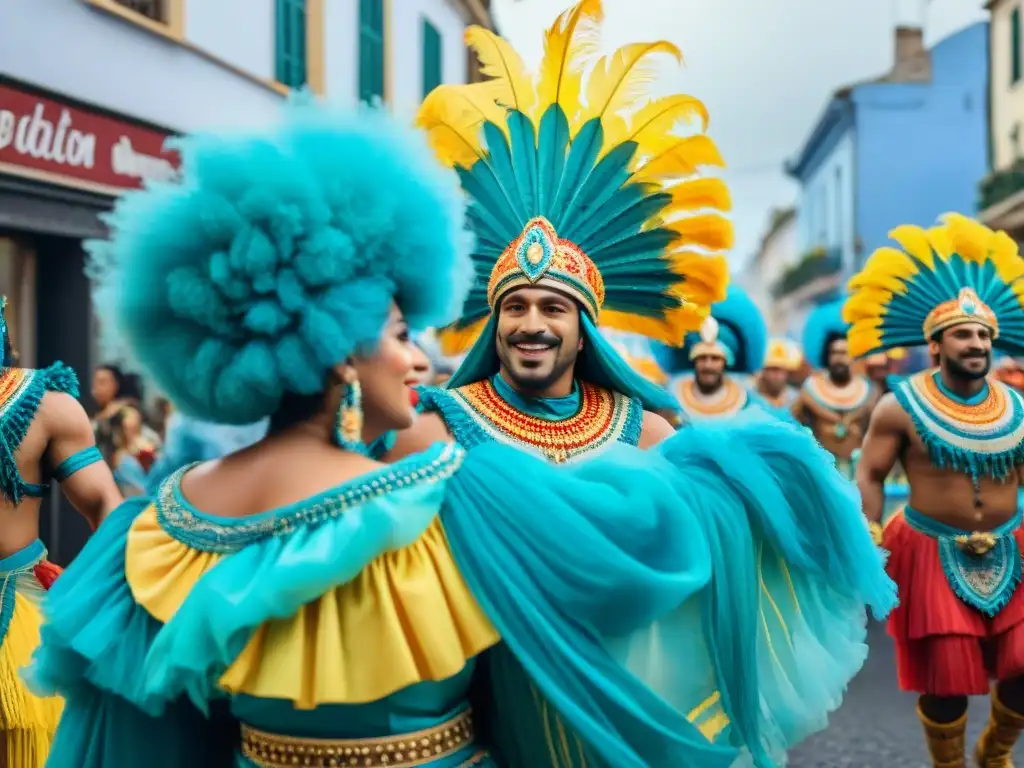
(126,161)
(35,136)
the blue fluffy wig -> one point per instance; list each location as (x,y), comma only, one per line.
(278,256)
(741,329)
(824,324)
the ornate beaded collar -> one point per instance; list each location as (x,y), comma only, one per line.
(728,399)
(852,397)
(604,417)
(980,437)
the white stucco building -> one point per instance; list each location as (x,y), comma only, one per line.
(777,253)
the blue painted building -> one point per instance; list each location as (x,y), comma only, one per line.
(903,148)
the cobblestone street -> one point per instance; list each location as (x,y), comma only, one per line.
(876,726)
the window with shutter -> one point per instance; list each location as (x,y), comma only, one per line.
(290,43)
(432,62)
(371,50)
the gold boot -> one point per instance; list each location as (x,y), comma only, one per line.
(995,747)
(945,741)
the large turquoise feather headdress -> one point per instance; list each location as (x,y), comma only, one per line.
(591,191)
(823,322)
(735,331)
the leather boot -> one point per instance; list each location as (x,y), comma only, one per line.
(995,747)
(945,741)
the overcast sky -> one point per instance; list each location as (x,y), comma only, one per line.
(764,68)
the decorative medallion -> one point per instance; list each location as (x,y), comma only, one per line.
(982,437)
(536,249)
(982,569)
(727,400)
(602,419)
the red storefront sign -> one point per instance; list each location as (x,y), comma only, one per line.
(43,138)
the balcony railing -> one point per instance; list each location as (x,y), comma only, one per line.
(1000,185)
(816,264)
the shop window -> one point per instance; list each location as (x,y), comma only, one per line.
(432,66)
(290,43)
(371,50)
(151,9)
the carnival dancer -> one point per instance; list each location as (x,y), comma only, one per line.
(608,612)
(772,382)
(955,548)
(833,402)
(579,223)
(731,343)
(46,436)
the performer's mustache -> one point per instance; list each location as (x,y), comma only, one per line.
(534,338)
(971,355)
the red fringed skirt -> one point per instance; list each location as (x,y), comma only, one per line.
(945,647)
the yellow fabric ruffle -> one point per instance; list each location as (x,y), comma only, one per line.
(27,722)
(409,609)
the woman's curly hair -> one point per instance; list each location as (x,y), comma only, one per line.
(277,256)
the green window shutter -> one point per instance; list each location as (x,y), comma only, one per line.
(1015,52)
(432,61)
(290,42)
(371,50)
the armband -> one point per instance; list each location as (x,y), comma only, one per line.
(76,462)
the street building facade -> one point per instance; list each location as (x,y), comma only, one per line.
(776,254)
(902,148)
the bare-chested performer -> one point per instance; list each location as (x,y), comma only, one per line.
(44,434)
(955,548)
(833,402)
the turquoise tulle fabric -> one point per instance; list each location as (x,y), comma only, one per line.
(597,364)
(683,584)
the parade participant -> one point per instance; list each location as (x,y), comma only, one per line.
(731,343)
(834,402)
(579,224)
(772,383)
(46,435)
(643,608)
(955,548)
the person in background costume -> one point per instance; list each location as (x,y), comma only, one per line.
(772,382)
(583,219)
(47,436)
(316,606)
(954,550)
(834,402)
(733,339)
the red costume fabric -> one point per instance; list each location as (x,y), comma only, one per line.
(944,647)
(46,573)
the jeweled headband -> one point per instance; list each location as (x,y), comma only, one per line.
(965,308)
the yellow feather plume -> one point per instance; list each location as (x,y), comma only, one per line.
(455,340)
(452,117)
(707,230)
(914,241)
(569,43)
(696,194)
(707,276)
(652,126)
(683,157)
(671,330)
(624,77)
(499,60)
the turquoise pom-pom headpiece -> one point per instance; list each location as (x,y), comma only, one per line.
(277,256)
(737,332)
(823,322)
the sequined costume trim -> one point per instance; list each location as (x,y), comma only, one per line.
(604,417)
(985,438)
(271,750)
(208,533)
(730,399)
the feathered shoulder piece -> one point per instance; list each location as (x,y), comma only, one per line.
(593,190)
(956,272)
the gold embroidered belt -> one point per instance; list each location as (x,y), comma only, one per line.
(272,750)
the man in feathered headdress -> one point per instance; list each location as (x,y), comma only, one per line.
(581,219)
(834,402)
(772,382)
(46,435)
(955,548)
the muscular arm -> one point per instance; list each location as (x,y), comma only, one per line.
(879,453)
(91,490)
(654,429)
(429,428)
